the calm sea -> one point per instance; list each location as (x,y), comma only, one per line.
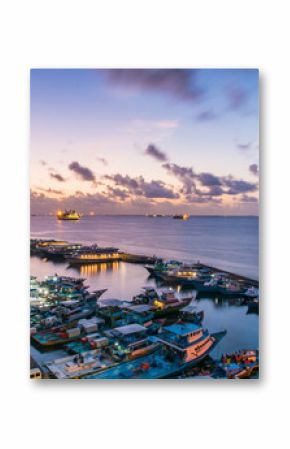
(230,243)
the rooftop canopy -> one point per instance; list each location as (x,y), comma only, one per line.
(182,329)
(130,329)
(140,308)
(112,303)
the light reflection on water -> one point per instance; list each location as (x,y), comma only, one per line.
(124,280)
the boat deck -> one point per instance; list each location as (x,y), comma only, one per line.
(71,367)
(137,369)
(152,366)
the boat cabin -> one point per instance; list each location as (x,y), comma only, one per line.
(189,340)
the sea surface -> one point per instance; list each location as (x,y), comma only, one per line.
(230,243)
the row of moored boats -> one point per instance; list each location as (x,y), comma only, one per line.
(155,335)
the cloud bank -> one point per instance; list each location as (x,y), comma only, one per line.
(178,83)
(83,173)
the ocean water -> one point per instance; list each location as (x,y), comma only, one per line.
(229,243)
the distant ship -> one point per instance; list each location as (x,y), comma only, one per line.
(181,217)
(68,215)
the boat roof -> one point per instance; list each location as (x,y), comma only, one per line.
(93,320)
(182,329)
(95,249)
(130,329)
(71,302)
(139,308)
(111,303)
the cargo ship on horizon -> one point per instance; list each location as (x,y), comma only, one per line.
(68,215)
(181,217)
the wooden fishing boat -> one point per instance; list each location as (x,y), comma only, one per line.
(182,346)
(241,365)
(161,304)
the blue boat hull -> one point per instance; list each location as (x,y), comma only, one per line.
(127,370)
(218,336)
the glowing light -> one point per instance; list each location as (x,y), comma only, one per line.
(159,304)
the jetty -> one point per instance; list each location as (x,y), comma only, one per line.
(138,258)
(237,277)
(63,249)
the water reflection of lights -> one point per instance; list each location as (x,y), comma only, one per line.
(92,269)
(123,271)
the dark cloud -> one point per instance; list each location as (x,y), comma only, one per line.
(184,174)
(49,191)
(103,160)
(57,176)
(78,193)
(153,151)
(157,189)
(244,146)
(125,181)
(117,193)
(139,187)
(84,173)
(202,199)
(179,83)
(179,171)
(248,199)
(208,179)
(217,186)
(206,116)
(254,169)
(238,186)
(214,190)
(236,97)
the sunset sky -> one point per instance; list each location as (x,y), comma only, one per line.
(145,141)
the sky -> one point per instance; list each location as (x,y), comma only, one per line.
(145,141)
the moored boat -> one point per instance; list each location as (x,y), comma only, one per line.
(64,334)
(252,292)
(182,346)
(190,275)
(60,251)
(240,365)
(93,254)
(161,267)
(76,366)
(161,304)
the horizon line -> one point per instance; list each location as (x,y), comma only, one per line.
(151,215)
